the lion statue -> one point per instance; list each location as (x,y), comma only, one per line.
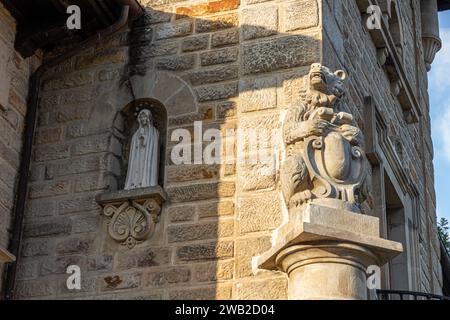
(324,146)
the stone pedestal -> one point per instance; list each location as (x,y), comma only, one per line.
(132,214)
(326,270)
(326,251)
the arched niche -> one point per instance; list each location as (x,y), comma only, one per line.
(166,94)
(125,125)
(170,90)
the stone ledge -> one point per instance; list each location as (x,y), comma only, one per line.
(157,193)
(317,223)
(6,256)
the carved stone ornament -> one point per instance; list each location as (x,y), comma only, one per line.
(325,157)
(132,214)
(324,181)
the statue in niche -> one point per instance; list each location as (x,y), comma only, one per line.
(324,147)
(144,154)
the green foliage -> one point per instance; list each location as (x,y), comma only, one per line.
(443,227)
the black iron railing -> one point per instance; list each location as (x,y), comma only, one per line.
(407,295)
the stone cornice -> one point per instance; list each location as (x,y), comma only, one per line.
(155,192)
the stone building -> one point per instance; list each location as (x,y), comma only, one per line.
(234,228)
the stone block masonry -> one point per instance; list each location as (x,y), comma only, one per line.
(210,47)
(348,45)
(228,63)
(15,72)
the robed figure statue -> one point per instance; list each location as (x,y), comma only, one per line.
(144,154)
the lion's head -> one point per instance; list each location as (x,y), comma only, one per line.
(323,86)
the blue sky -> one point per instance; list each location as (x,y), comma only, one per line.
(439,88)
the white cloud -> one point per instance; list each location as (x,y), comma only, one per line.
(443,128)
(439,85)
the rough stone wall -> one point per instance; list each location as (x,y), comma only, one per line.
(228,65)
(347,45)
(242,68)
(15,72)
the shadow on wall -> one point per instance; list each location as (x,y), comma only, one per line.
(234,75)
(230,70)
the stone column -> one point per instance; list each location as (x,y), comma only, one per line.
(326,251)
(326,270)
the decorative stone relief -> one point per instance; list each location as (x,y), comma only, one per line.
(132,222)
(324,181)
(324,146)
(132,214)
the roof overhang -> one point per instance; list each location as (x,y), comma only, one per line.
(42,24)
